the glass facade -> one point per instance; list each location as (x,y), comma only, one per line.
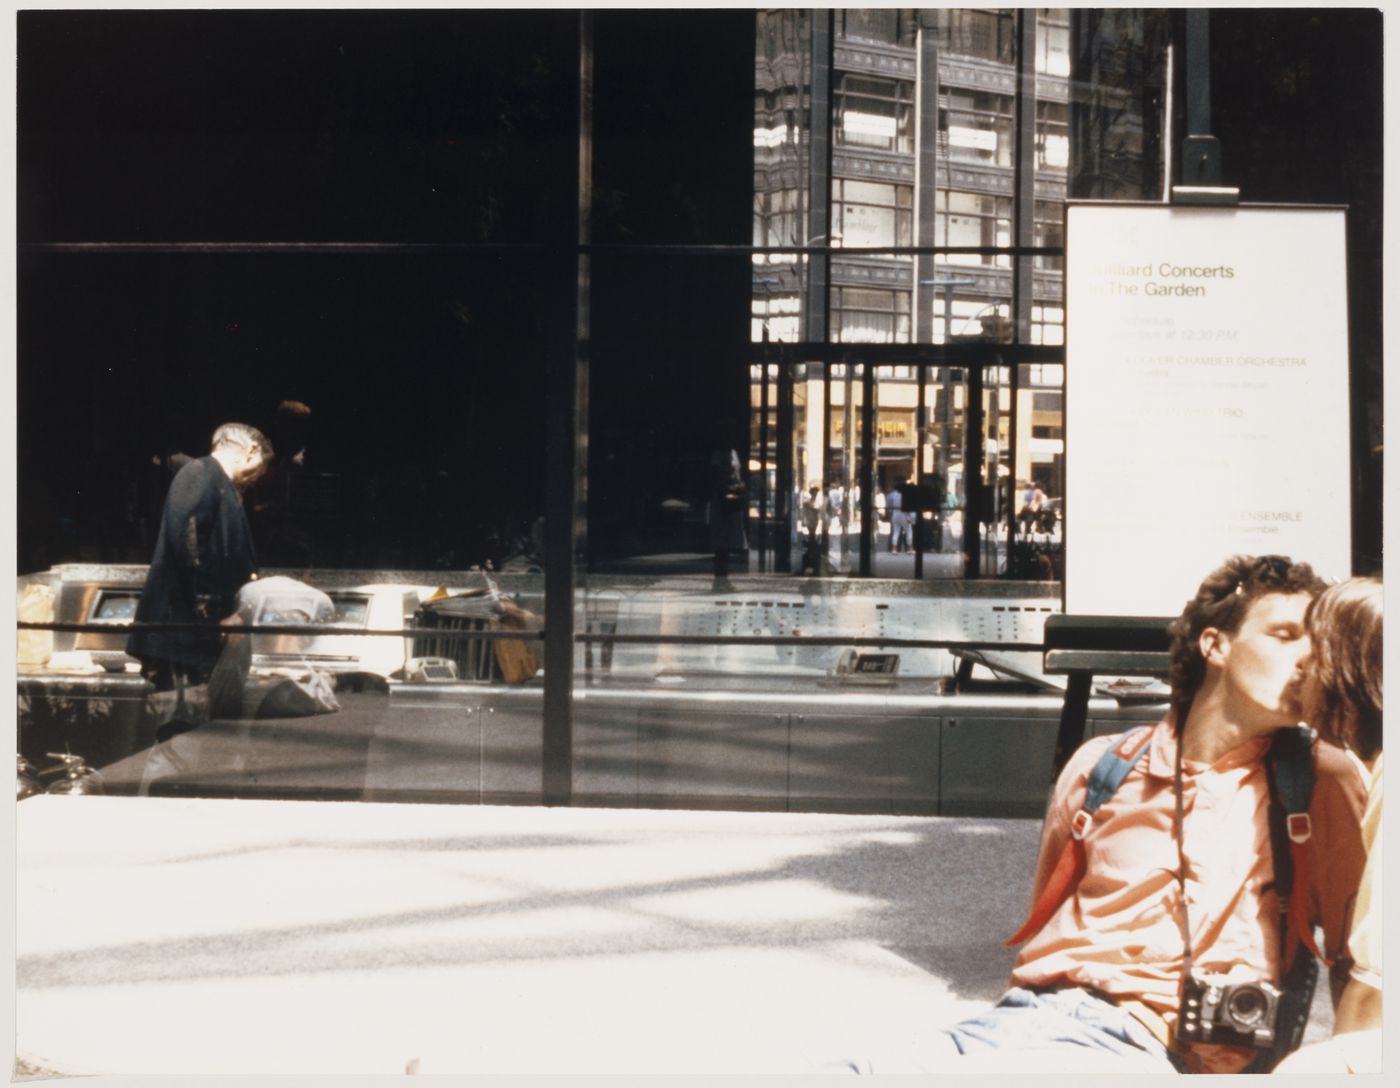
(563,494)
(670,412)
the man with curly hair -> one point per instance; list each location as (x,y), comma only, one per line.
(1178,873)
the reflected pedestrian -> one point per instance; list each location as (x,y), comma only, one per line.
(812,515)
(728,509)
(203,555)
(899,517)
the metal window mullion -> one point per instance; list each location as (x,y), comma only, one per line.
(867,460)
(566,388)
(920,435)
(826,461)
(820,141)
(782,555)
(764,536)
(972,473)
(1023,210)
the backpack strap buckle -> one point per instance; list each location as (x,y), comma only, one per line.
(1299,826)
(1107,775)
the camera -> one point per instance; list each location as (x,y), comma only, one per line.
(1215,1010)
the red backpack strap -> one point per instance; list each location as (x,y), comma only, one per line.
(1064,878)
(1108,774)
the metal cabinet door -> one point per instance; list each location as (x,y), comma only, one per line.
(864,761)
(432,748)
(605,751)
(512,747)
(995,766)
(714,755)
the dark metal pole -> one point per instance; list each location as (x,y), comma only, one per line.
(1201,160)
(1074,714)
(764,498)
(926,174)
(566,424)
(866,477)
(825,564)
(1197,71)
(920,433)
(972,476)
(782,552)
(819,177)
(1023,209)
(818,324)
(849,450)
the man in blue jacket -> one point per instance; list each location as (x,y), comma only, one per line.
(203,555)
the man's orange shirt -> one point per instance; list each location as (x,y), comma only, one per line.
(1120,930)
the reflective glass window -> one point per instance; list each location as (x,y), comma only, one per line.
(976,127)
(871,214)
(886,26)
(874,113)
(868,316)
(987,34)
(1052,42)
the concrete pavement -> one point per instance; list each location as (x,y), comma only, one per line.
(160,935)
(186,936)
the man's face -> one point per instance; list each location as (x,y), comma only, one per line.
(1306,689)
(1259,661)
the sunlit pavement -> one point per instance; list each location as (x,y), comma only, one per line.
(159,935)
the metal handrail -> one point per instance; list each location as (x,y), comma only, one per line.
(678,249)
(585,637)
(278,629)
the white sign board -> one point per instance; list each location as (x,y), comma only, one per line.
(1206,400)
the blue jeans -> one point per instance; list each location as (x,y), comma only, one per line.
(1054,1019)
(1049,1031)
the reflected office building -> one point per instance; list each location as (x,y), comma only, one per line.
(900,128)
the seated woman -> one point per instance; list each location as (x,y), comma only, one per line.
(1339,691)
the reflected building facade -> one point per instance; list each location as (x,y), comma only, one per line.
(915,143)
(509,259)
(914,129)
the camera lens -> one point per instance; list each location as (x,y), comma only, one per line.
(1247,1006)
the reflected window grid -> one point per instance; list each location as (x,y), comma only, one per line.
(874,299)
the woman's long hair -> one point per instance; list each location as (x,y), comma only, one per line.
(1345,626)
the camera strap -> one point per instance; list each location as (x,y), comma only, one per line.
(1291,780)
(1179,832)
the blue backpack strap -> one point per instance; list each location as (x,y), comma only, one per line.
(1113,766)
